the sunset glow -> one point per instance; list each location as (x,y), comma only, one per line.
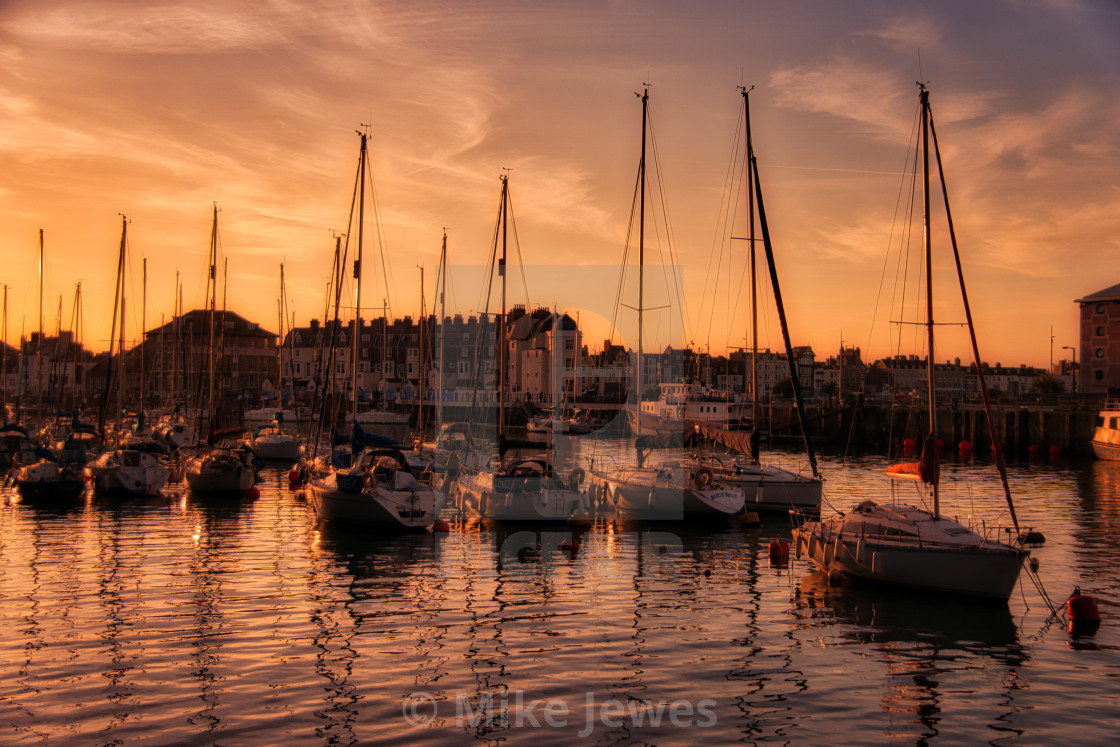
(158,110)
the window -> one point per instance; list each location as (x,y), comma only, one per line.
(1100,331)
(1100,308)
(1099,352)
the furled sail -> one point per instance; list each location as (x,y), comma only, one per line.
(927,468)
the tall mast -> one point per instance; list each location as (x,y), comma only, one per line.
(503,343)
(76,332)
(213,302)
(39,347)
(362,157)
(176,313)
(143,332)
(442,317)
(280,333)
(120,336)
(750,239)
(641,252)
(423,318)
(117,308)
(929,283)
(120,352)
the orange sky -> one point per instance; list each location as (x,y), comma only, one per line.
(159,110)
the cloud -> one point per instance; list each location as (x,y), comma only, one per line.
(169,28)
(911,32)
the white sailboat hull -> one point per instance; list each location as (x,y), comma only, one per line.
(650,493)
(918,551)
(206,475)
(478,494)
(765,488)
(402,509)
(277,448)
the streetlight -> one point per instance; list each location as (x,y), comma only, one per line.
(1073,364)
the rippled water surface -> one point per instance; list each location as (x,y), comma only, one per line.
(187,621)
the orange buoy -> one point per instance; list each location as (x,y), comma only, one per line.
(441,525)
(1082,608)
(1084,617)
(779,551)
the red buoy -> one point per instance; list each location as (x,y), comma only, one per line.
(1082,608)
(441,525)
(253,493)
(1055,450)
(941,443)
(1084,617)
(908,444)
(779,551)
(1033,449)
(293,475)
(964,447)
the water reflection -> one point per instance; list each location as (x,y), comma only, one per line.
(927,645)
(203,620)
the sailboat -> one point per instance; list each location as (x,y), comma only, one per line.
(48,479)
(906,545)
(270,442)
(671,489)
(765,487)
(226,467)
(127,469)
(378,486)
(524,489)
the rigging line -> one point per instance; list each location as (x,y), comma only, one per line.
(339,286)
(517,248)
(1000,463)
(625,255)
(484,321)
(669,242)
(717,246)
(386,268)
(905,252)
(890,238)
(741,179)
(732,189)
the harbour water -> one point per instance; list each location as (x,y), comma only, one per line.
(242,622)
